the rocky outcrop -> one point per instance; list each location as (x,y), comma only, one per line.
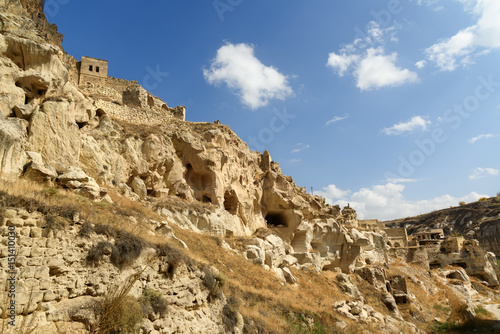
(477,220)
(58,274)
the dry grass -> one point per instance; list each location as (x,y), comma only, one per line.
(266,305)
(117,312)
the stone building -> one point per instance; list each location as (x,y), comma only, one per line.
(92,70)
(430,237)
(371,225)
(397,237)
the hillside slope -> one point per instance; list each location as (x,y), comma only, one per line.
(118,216)
(478,220)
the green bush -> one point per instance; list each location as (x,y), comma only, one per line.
(442,308)
(481,310)
(443,327)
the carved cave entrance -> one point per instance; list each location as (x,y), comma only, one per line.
(277,219)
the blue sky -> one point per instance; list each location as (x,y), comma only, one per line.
(392,106)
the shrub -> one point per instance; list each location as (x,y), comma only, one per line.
(461,203)
(481,310)
(483,199)
(105,230)
(55,224)
(52,191)
(230,314)
(174,259)
(152,301)
(86,230)
(124,318)
(214,283)
(443,327)
(128,248)
(117,312)
(442,308)
(97,252)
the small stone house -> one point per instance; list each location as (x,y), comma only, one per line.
(92,70)
(396,237)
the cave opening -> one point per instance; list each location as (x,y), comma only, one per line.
(434,265)
(231,202)
(276,219)
(454,275)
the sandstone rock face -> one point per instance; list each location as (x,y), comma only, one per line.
(473,259)
(12,146)
(38,170)
(54,265)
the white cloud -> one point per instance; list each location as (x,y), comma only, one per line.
(431,4)
(421,64)
(336,119)
(448,54)
(300,147)
(333,193)
(342,63)
(484,136)
(294,161)
(366,59)
(414,124)
(256,84)
(479,173)
(472,41)
(378,70)
(386,201)
(400,180)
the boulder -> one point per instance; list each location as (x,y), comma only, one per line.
(37,170)
(359,239)
(73,174)
(348,287)
(139,187)
(374,275)
(290,279)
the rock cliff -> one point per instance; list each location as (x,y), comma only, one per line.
(478,220)
(110,200)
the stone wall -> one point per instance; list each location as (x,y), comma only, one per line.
(52,274)
(397,237)
(133,115)
(93,70)
(119,84)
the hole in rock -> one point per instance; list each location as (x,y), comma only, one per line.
(230,202)
(276,219)
(435,265)
(454,275)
